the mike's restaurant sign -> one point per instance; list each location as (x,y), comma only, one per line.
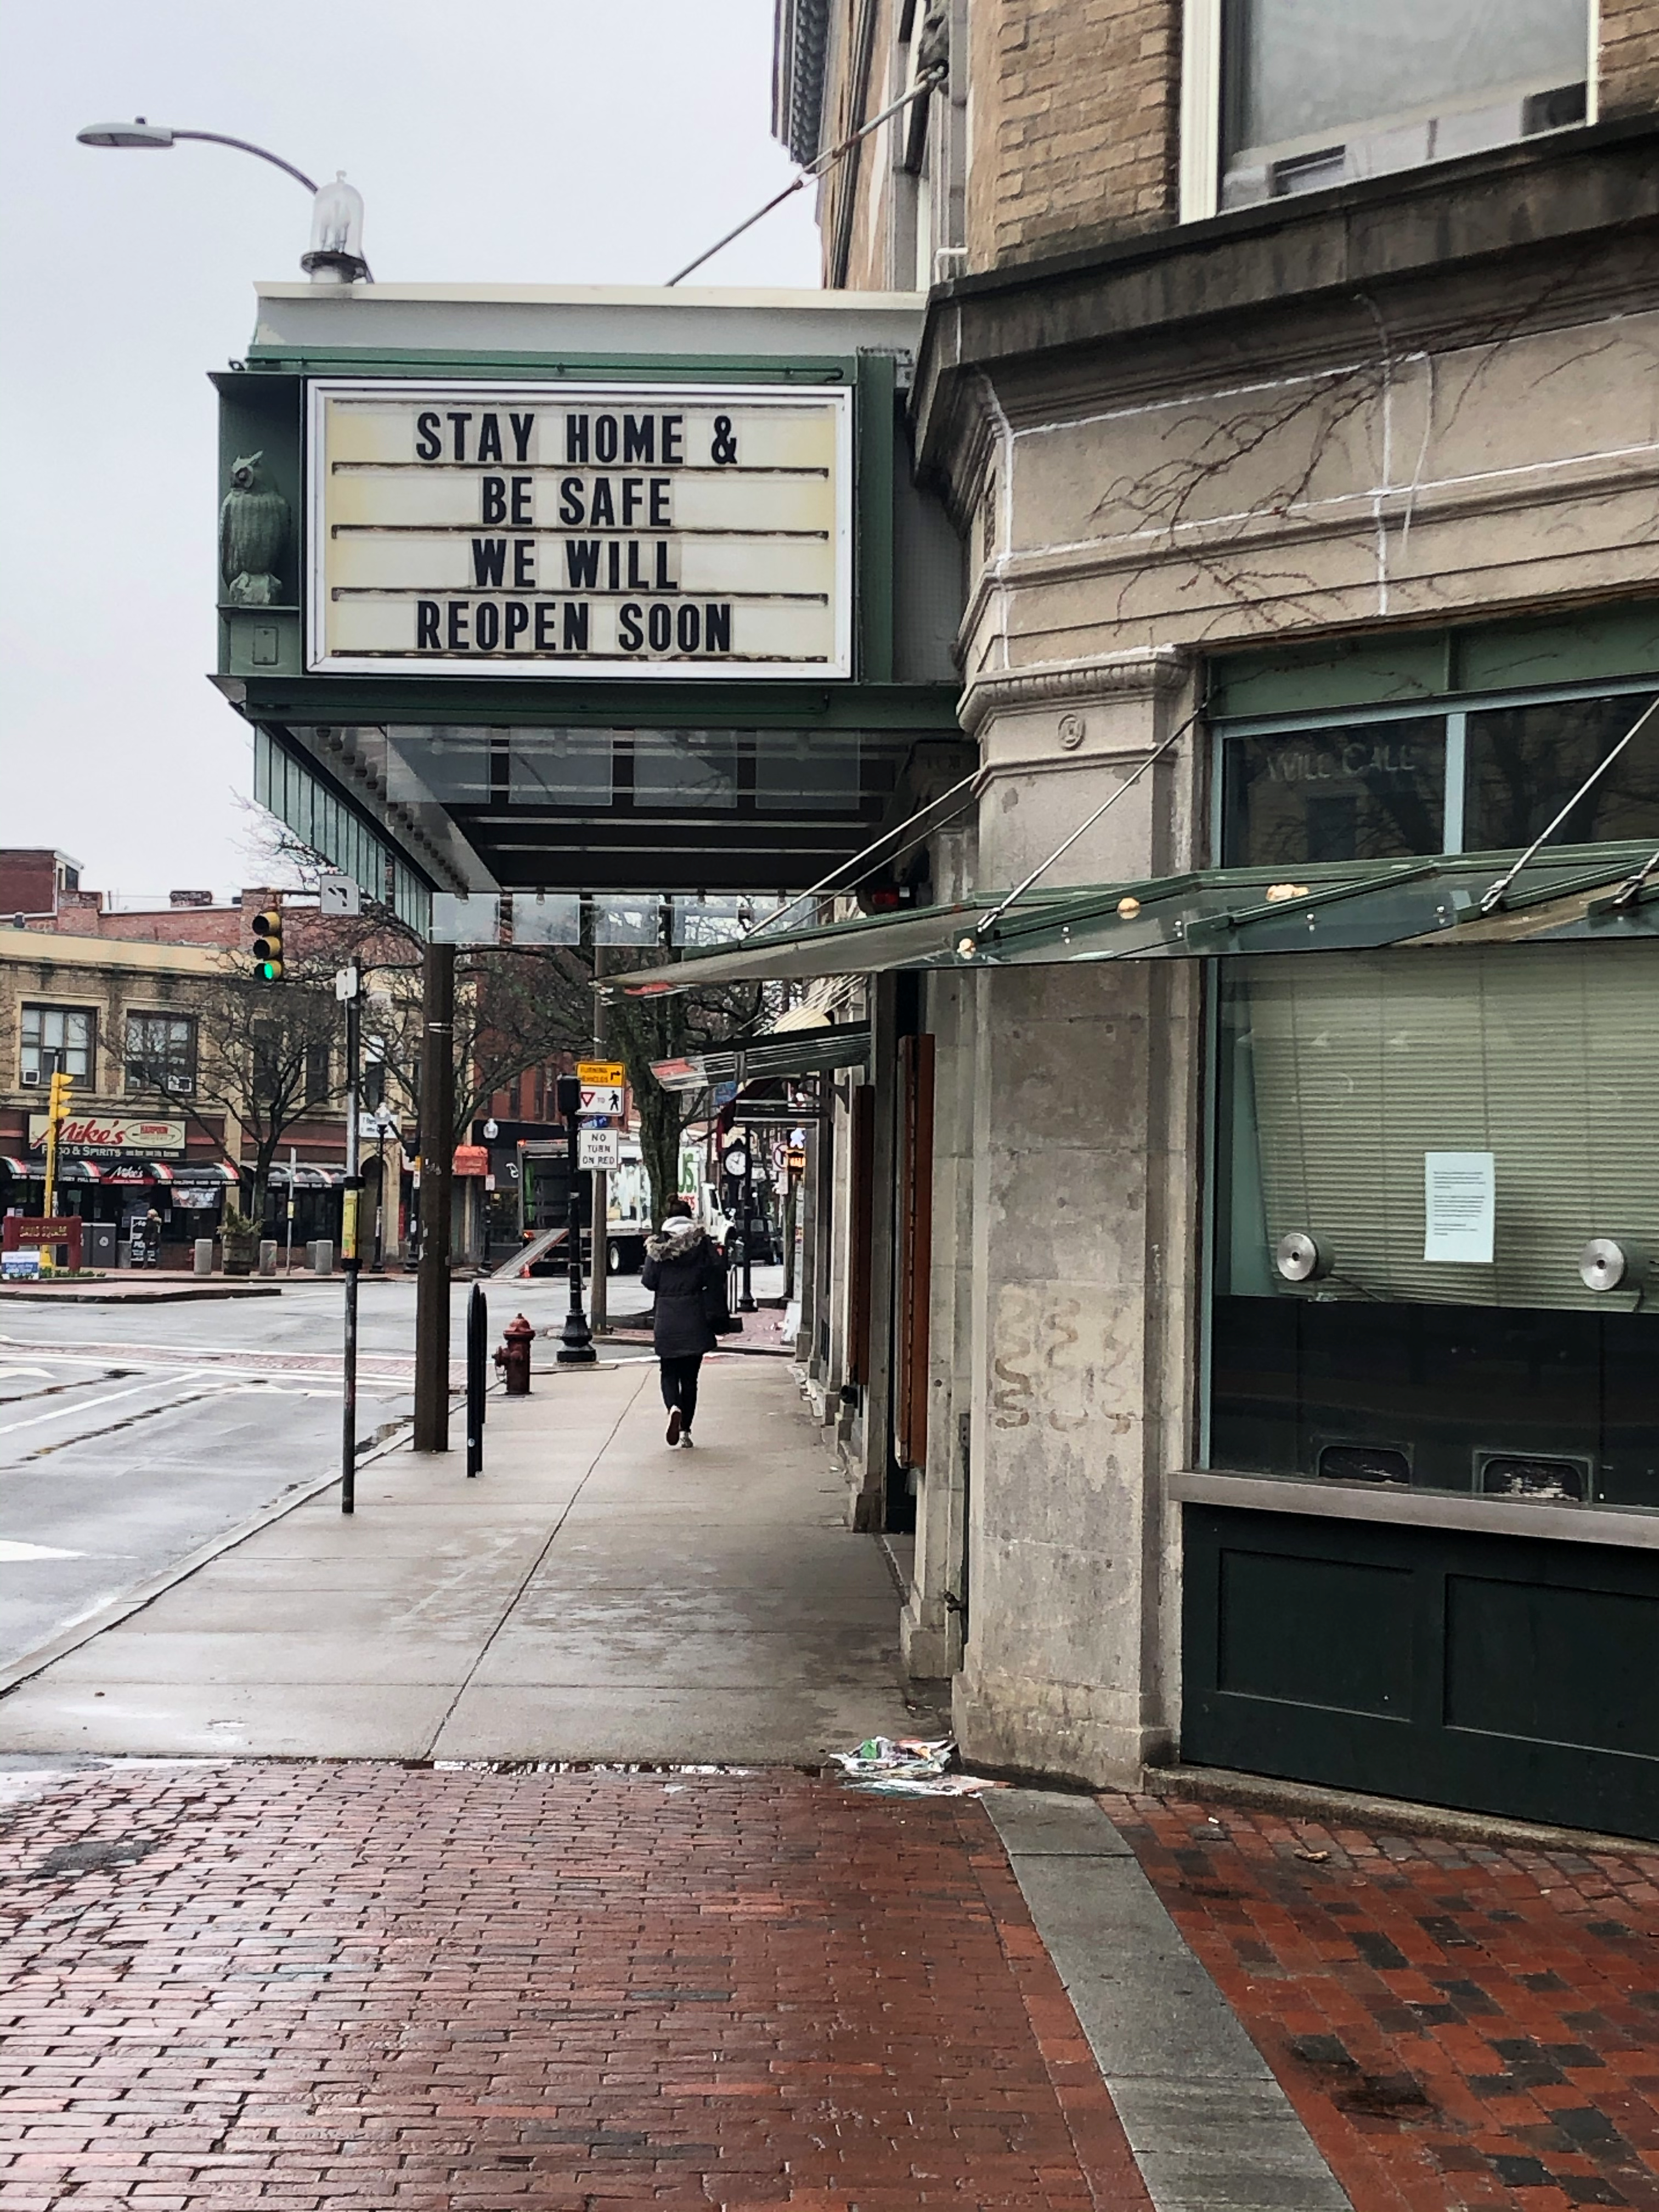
(668,530)
(110,1136)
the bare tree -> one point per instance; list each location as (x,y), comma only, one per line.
(675,1026)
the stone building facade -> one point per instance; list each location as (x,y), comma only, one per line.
(1286,376)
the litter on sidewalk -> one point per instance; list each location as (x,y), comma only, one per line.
(910,1767)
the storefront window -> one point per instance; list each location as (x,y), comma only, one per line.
(1525,763)
(161,1052)
(1464,779)
(1366,791)
(56,1041)
(1473,1357)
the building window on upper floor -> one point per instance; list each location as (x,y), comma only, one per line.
(1286,96)
(319,1087)
(921,43)
(161,1054)
(56,1040)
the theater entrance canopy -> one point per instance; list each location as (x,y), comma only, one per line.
(584,591)
(1595,893)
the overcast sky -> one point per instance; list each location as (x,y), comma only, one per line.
(539,142)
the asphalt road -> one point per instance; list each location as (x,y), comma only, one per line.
(130,1437)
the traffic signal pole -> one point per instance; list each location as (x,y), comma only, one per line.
(437,1114)
(349,984)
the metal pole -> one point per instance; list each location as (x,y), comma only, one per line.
(746,1303)
(599,1291)
(293,1178)
(379,1199)
(351,983)
(478,1331)
(437,1114)
(576,1343)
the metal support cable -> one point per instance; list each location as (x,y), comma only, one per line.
(923,87)
(1632,887)
(1043,867)
(1494,893)
(824,884)
(616,987)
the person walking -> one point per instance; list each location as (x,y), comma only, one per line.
(688,1277)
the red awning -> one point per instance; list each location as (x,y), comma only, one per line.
(159,1169)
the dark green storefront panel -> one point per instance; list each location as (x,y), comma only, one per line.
(1495,1673)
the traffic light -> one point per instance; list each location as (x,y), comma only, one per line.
(58,1100)
(268,945)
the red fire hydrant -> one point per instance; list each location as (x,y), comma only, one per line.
(513,1356)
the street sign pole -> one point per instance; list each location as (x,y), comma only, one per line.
(576,1343)
(293,1178)
(436,1159)
(350,985)
(599,1294)
(746,1303)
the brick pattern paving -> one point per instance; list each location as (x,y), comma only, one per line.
(364,1985)
(1458,2025)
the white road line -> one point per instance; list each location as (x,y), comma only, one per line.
(80,1405)
(12,1550)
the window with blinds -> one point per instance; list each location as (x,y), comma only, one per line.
(1339,1074)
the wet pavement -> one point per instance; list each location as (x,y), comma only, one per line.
(322,1884)
(1458,2024)
(319,1985)
(592,1595)
(128,1439)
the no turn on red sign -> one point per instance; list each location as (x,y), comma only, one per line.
(598,1148)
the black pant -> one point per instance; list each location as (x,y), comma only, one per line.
(679,1386)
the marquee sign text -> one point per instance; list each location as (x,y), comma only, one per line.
(623,529)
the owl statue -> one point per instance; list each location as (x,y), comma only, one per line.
(252,536)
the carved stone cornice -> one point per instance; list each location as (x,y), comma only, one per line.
(1141,674)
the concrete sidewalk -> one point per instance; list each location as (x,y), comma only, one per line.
(592,1596)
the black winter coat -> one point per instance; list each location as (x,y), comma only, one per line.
(678,1269)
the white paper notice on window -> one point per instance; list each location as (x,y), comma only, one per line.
(1459,1203)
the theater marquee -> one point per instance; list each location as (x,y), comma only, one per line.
(666,529)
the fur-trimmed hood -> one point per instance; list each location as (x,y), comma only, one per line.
(661,1246)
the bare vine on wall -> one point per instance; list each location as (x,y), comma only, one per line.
(1296,450)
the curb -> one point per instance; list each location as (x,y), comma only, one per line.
(642,1343)
(1312,1801)
(19,1671)
(186,1294)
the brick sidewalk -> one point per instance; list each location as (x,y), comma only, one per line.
(375,1986)
(1458,2025)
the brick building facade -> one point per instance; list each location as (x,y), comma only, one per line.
(1286,374)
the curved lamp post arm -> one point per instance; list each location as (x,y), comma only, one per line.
(335,256)
(246,146)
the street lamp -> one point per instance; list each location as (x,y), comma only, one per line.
(335,255)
